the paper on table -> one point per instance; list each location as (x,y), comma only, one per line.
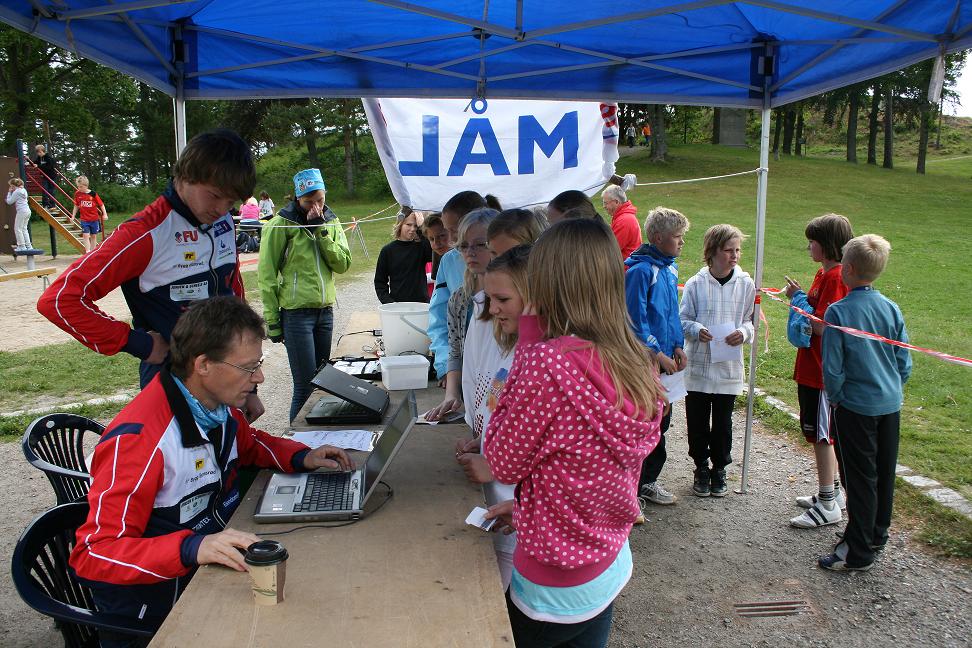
(345,439)
(718,349)
(674,384)
(451,417)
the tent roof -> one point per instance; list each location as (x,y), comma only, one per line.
(704,52)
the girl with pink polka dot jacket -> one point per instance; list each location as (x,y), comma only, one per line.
(580,410)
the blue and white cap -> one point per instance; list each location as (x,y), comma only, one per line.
(307,181)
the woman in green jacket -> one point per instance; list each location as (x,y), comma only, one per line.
(301,249)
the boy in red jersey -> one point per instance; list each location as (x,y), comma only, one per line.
(826,236)
(92,209)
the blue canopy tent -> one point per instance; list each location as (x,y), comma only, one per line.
(755,54)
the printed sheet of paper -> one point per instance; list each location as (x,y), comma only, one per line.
(719,350)
(674,384)
(344,439)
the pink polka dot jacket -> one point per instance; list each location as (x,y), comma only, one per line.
(574,456)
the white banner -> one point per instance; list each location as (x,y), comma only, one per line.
(523,152)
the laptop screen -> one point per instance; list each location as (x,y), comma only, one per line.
(388,441)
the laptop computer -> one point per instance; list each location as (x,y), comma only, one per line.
(351,399)
(326,496)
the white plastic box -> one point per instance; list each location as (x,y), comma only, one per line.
(405,372)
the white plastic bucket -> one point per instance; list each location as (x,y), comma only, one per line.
(403,327)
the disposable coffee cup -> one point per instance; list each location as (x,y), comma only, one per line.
(267,561)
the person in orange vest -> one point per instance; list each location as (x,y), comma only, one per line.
(646,133)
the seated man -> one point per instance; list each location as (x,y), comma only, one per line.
(164,475)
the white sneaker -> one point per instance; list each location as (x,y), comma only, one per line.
(806,501)
(654,493)
(816,516)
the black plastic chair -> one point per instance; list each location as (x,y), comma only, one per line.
(55,444)
(40,573)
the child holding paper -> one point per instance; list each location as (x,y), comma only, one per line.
(717,319)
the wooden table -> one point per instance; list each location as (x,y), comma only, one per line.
(411,574)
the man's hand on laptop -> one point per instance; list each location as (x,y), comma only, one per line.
(328,457)
(223,548)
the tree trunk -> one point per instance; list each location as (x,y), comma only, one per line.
(659,140)
(348,161)
(888,129)
(310,139)
(799,132)
(777,131)
(852,128)
(789,123)
(716,119)
(872,125)
(924,125)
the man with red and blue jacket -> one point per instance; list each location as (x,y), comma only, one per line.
(164,474)
(179,249)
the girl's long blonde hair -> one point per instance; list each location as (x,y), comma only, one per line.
(576,286)
(513,263)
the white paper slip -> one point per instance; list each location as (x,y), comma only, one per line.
(477,518)
(674,384)
(719,351)
(451,417)
(344,439)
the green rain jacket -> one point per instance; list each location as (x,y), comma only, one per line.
(297,263)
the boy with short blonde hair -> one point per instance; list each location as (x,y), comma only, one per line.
(91,207)
(864,378)
(651,295)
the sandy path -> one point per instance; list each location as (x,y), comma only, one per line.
(24,328)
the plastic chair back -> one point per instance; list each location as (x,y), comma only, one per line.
(55,444)
(41,575)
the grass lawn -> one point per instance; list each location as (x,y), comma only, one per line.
(925,218)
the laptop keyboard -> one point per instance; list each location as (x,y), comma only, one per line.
(326,492)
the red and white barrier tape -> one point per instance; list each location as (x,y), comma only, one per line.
(773,293)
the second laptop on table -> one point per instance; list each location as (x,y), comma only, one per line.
(350,399)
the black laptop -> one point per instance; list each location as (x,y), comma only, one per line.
(349,399)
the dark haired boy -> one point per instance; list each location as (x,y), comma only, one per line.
(179,249)
(826,236)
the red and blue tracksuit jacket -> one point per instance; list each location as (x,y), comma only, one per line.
(159,484)
(163,258)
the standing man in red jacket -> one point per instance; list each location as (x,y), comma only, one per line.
(179,249)
(624,219)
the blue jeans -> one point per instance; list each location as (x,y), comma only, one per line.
(529,633)
(307,336)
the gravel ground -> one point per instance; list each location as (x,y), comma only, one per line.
(693,561)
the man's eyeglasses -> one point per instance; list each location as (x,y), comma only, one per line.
(471,248)
(248,370)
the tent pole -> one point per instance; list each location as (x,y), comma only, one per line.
(179,100)
(760,231)
(179,120)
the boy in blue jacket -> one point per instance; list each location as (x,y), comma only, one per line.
(864,380)
(651,294)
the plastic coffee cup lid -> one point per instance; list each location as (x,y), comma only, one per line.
(265,552)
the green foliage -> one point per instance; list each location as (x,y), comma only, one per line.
(127,200)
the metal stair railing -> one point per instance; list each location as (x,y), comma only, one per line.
(62,223)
